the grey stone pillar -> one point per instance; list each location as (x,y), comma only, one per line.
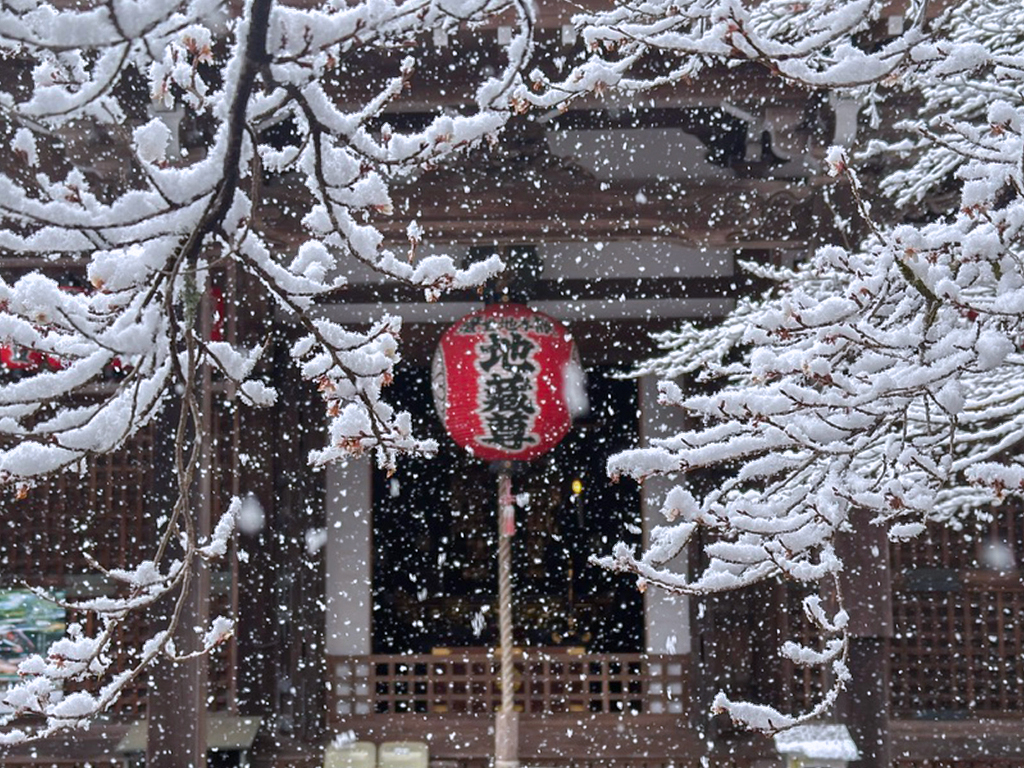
(348,556)
(666,617)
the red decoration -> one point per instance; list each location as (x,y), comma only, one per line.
(500,377)
(17,358)
(14,357)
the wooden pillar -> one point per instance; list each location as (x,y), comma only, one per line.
(866,709)
(176,731)
(255,631)
(867,587)
(255,465)
(298,563)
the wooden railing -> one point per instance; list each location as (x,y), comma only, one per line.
(466,681)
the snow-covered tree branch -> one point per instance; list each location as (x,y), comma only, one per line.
(883,378)
(149,241)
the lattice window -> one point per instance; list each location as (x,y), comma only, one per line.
(221,693)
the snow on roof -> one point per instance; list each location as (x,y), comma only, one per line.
(822,742)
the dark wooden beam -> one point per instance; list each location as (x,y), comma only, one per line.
(946,741)
(474,206)
(610,288)
(570,738)
(448,76)
(618,343)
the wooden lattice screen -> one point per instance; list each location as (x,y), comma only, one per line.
(958,611)
(108,510)
(100,511)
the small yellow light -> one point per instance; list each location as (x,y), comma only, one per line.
(577,487)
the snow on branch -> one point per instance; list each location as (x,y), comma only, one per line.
(882,377)
(80,658)
(113,279)
(641,45)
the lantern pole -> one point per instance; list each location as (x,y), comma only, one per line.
(506,398)
(506,727)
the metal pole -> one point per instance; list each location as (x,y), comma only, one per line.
(506,727)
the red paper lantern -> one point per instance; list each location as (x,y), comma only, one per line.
(503,380)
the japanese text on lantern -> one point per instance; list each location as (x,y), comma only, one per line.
(508,395)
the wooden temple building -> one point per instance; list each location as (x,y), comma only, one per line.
(368,603)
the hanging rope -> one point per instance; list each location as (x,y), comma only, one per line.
(505,735)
